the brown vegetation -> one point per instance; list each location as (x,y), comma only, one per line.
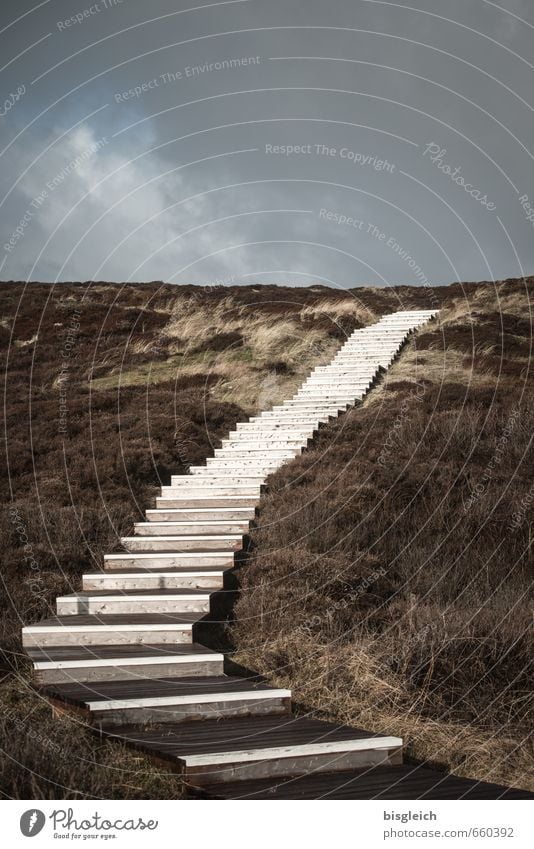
(156,375)
(390,579)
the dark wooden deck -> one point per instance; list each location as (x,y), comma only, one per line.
(116,652)
(396,782)
(230,735)
(78,693)
(122,619)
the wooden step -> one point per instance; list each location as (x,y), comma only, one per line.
(365,349)
(369,344)
(267,452)
(340,381)
(365,357)
(173,700)
(273,432)
(215,527)
(220,466)
(201,514)
(348,371)
(205,502)
(251,443)
(177,579)
(169,560)
(264,747)
(246,461)
(363,369)
(251,456)
(333,387)
(133,601)
(344,395)
(343,400)
(340,405)
(249,461)
(194,489)
(114,629)
(68,664)
(250,467)
(349,358)
(342,373)
(292,418)
(292,409)
(247,466)
(249,476)
(323,387)
(269,434)
(282,416)
(273,426)
(277,440)
(199,543)
(400,783)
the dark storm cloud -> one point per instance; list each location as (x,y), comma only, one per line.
(349,142)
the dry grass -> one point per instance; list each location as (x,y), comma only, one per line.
(158,376)
(59,758)
(346,684)
(338,310)
(387,584)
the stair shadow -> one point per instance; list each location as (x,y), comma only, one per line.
(214,630)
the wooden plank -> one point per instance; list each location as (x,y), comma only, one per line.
(89,653)
(396,782)
(79,693)
(236,734)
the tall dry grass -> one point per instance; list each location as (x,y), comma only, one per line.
(390,578)
(152,390)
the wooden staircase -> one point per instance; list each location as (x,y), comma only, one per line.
(122,652)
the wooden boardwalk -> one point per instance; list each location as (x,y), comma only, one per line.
(123,652)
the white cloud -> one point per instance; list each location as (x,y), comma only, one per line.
(105,209)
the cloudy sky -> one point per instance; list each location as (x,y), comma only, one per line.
(349,142)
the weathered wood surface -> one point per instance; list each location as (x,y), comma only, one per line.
(386,782)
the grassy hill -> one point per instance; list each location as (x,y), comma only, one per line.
(390,585)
